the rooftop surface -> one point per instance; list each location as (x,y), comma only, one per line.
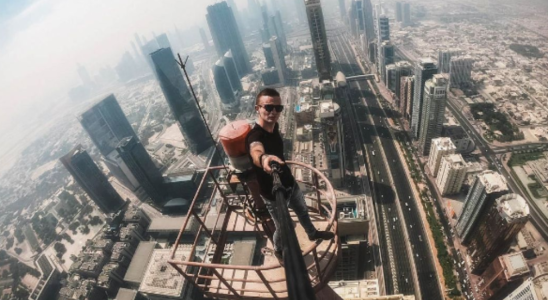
(160,277)
(493,182)
(137,267)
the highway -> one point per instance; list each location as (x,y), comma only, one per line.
(364,110)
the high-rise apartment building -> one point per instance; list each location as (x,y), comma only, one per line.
(232,72)
(451,174)
(406,14)
(444,59)
(399,11)
(92,180)
(486,188)
(205,41)
(319,38)
(460,71)
(222,83)
(268,55)
(424,70)
(406,96)
(226,35)
(279,58)
(497,227)
(439,148)
(504,274)
(181,102)
(433,111)
(142,168)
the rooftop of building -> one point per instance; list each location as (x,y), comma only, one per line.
(515,264)
(328,106)
(160,277)
(244,252)
(126,294)
(164,223)
(493,181)
(137,267)
(512,207)
(443,143)
(456,160)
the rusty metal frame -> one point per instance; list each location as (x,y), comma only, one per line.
(215,271)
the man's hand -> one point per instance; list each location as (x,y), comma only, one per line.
(267,159)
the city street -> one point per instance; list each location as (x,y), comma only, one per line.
(391,189)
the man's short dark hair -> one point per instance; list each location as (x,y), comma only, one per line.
(266,92)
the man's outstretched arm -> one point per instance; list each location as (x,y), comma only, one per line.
(260,158)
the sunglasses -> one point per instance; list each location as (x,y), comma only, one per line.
(271,107)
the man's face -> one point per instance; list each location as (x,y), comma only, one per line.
(268,117)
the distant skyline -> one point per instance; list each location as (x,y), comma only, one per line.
(43,41)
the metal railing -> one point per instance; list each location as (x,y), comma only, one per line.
(216,279)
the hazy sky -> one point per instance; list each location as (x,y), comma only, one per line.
(42,41)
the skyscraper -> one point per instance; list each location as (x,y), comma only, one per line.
(139,164)
(180,101)
(424,70)
(460,71)
(406,95)
(401,69)
(440,147)
(222,83)
(205,41)
(433,111)
(497,227)
(383,34)
(531,289)
(163,41)
(279,58)
(84,76)
(399,12)
(92,180)
(342,8)
(106,124)
(444,59)
(369,23)
(280,31)
(147,49)
(359,19)
(226,35)
(386,57)
(487,187)
(237,16)
(268,55)
(504,274)
(232,72)
(451,175)
(406,14)
(319,38)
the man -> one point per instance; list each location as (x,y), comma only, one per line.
(265,145)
